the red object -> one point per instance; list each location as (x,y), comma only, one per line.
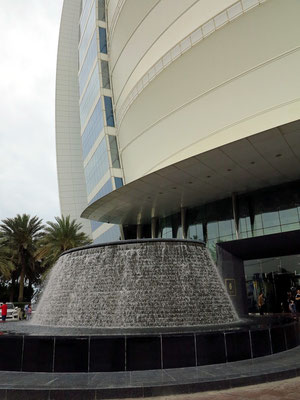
(4,309)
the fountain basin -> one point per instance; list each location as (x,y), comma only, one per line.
(26,347)
(138,305)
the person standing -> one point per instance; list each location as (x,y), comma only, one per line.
(261,303)
(29,312)
(26,310)
(292,308)
(4,311)
(297,301)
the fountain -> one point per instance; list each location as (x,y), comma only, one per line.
(148,284)
(138,305)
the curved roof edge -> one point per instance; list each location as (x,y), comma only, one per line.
(266,159)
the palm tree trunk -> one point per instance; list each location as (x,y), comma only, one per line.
(21,284)
(12,291)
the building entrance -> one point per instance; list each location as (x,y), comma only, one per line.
(277,277)
(268,264)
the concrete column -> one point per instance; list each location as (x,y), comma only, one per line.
(183,222)
(153,228)
(139,231)
(235,215)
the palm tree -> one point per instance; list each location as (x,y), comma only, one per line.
(59,236)
(6,263)
(20,234)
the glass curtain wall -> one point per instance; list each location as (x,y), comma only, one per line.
(271,210)
(102,164)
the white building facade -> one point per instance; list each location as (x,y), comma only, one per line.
(180,118)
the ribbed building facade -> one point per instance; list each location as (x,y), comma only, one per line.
(181,119)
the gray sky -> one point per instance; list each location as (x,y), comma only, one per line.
(28,46)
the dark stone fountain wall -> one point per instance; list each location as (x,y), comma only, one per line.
(152,283)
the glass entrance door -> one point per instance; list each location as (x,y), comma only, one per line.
(278,278)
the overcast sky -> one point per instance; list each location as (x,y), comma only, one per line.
(28,46)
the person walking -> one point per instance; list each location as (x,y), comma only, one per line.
(3,311)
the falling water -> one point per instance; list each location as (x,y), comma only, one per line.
(135,285)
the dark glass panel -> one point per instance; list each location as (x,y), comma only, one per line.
(11,353)
(105,74)
(103,41)
(143,353)
(114,151)
(38,354)
(109,111)
(238,346)
(101,10)
(278,339)
(118,182)
(178,351)
(71,354)
(261,345)
(210,349)
(107,354)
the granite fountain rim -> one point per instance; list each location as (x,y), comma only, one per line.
(135,241)
(245,324)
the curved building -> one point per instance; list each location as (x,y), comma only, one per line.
(200,135)
(88,161)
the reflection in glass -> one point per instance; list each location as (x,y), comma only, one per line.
(105,74)
(195,232)
(270,219)
(90,96)
(288,216)
(101,10)
(92,130)
(97,167)
(114,151)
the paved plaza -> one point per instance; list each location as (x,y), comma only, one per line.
(287,389)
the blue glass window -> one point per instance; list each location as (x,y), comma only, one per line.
(103,41)
(106,188)
(111,235)
(97,167)
(87,35)
(93,129)
(95,225)
(109,111)
(89,97)
(88,63)
(195,232)
(118,182)
(84,14)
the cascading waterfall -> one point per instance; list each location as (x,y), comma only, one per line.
(139,284)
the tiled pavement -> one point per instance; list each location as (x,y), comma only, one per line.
(288,389)
(267,373)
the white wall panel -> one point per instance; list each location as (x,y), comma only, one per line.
(186,19)
(248,70)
